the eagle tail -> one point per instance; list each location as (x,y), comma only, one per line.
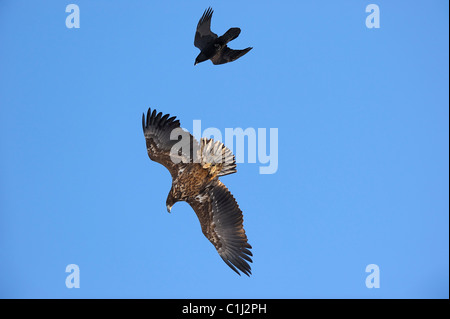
(229,161)
(216,154)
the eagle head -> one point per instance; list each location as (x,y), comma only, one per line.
(170,201)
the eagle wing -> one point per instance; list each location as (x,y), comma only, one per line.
(227,55)
(222,223)
(157,130)
(203,34)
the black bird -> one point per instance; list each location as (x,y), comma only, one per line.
(212,47)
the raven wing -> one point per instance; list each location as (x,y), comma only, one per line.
(157,131)
(227,55)
(204,36)
(222,223)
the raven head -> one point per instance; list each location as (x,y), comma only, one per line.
(200,58)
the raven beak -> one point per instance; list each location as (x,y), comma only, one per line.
(195,63)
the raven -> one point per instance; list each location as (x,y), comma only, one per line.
(212,47)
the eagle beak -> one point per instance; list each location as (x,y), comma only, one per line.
(169,208)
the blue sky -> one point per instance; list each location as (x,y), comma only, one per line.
(363,127)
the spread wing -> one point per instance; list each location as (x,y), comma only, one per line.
(222,223)
(227,55)
(157,130)
(204,35)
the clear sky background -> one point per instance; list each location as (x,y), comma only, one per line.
(363,162)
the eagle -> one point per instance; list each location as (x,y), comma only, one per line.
(211,46)
(195,168)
